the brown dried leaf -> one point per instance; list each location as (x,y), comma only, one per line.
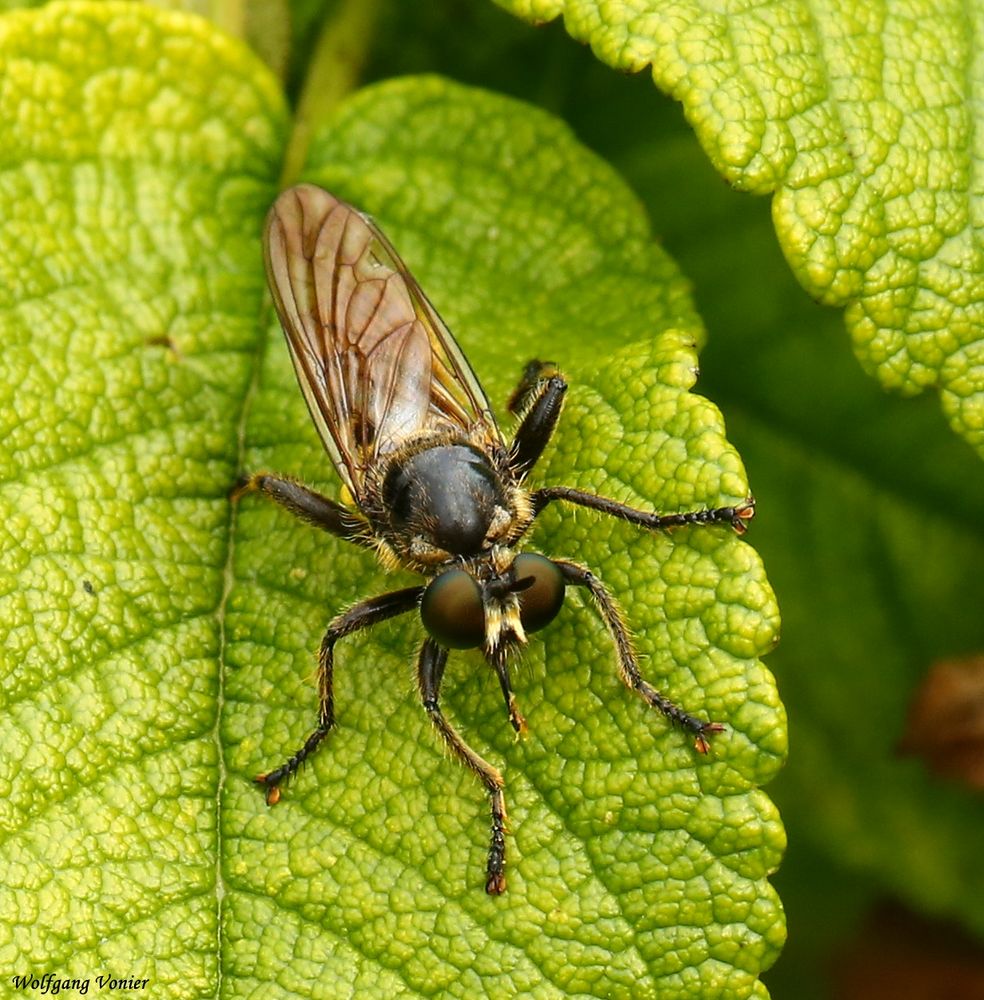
(946,720)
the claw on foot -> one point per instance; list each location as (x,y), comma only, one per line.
(516,718)
(701,744)
(272,791)
(744,512)
(496,883)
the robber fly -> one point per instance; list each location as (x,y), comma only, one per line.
(430,483)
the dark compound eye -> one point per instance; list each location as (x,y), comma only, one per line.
(452,610)
(543,598)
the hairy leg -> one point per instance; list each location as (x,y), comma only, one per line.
(628,667)
(361,616)
(737,516)
(430,670)
(537,400)
(305,503)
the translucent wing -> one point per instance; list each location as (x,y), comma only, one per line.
(375,362)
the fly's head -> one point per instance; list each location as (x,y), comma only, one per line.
(450,509)
(492,602)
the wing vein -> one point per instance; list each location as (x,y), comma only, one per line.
(374,360)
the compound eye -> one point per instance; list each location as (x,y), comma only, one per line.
(544,597)
(452,610)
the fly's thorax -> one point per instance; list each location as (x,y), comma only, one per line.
(442,498)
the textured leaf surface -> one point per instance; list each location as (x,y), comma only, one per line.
(641,867)
(862,118)
(874,552)
(153,661)
(869,511)
(140,154)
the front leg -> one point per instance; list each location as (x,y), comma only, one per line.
(360,616)
(430,670)
(498,661)
(737,516)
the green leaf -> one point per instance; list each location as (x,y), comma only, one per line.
(523,241)
(875,555)
(860,118)
(826,450)
(157,653)
(823,445)
(140,153)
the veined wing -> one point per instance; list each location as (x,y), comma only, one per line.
(373,358)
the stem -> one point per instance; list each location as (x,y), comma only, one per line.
(225,14)
(334,70)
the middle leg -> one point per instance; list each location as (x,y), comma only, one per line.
(308,505)
(737,516)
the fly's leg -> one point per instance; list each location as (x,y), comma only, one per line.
(737,516)
(361,616)
(628,667)
(497,660)
(537,400)
(535,372)
(308,505)
(430,670)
